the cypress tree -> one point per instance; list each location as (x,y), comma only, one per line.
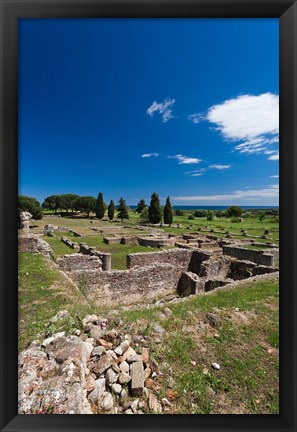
(155,214)
(168,212)
(140,206)
(110,210)
(100,210)
(122,210)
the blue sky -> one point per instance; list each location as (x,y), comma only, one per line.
(182,107)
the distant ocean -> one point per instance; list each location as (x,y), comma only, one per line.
(185,207)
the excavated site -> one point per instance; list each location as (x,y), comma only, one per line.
(194,264)
(102,370)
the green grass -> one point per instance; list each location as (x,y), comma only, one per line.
(119,251)
(43,291)
(248,379)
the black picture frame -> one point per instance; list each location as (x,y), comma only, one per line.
(286,11)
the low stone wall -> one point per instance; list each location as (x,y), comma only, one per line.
(130,240)
(79,262)
(259,257)
(119,287)
(156,241)
(33,244)
(91,250)
(69,243)
(112,240)
(187,259)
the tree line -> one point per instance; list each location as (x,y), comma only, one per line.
(88,204)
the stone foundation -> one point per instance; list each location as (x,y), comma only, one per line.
(33,244)
(259,257)
(117,287)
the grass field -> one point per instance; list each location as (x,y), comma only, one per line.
(244,343)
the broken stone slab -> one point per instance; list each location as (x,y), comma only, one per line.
(130,351)
(124,367)
(116,388)
(106,403)
(96,395)
(137,378)
(124,378)
(98,351)
(95,331)
(111,376)
(104,363)
(154,404)
(50,339)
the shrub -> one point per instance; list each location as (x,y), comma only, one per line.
(209,215)
(234,211)
(235,220)
(30,205)
(200,213)
(179,212)
(191,217)
(144,215)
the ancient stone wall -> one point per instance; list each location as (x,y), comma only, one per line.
(118,287)
(259,257)
(91,250)
(34,245)
(156,241)
(79,262)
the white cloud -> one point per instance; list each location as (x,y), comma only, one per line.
(196,118)
(219,167)
(164,108)
(148,155)
(185,159)
(196,174)
(253,120)
(269,192)
(274,176)
(274,157)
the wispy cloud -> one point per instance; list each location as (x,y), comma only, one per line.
(253,120)
(274,176)
(268,192)
(148,155)
(185,159)
(164,108)
(219,167)
(196,173)
(196,118)
(274,157)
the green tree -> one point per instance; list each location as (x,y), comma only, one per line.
(209,215)
(234,211)
(155,215)
(122,210)
(100,209)
(144,215)
(110,210)
(52,202)
(168,212)
(30,205)
(140,206)
(86,204)
(67,201)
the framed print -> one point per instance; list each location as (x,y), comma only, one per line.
(148,206)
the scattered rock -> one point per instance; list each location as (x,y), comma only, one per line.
(111,377)
(124,378)
(117,388)
(216,366)
(157,328)
(213,319)
(98,351)
(154,404)
(107,401)
(59,316)
(137,378)
(103,364)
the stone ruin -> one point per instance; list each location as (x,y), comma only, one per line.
(24,220)
(160,274)
(199,264)
(95,370)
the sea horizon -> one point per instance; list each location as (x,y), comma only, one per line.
(210,207)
